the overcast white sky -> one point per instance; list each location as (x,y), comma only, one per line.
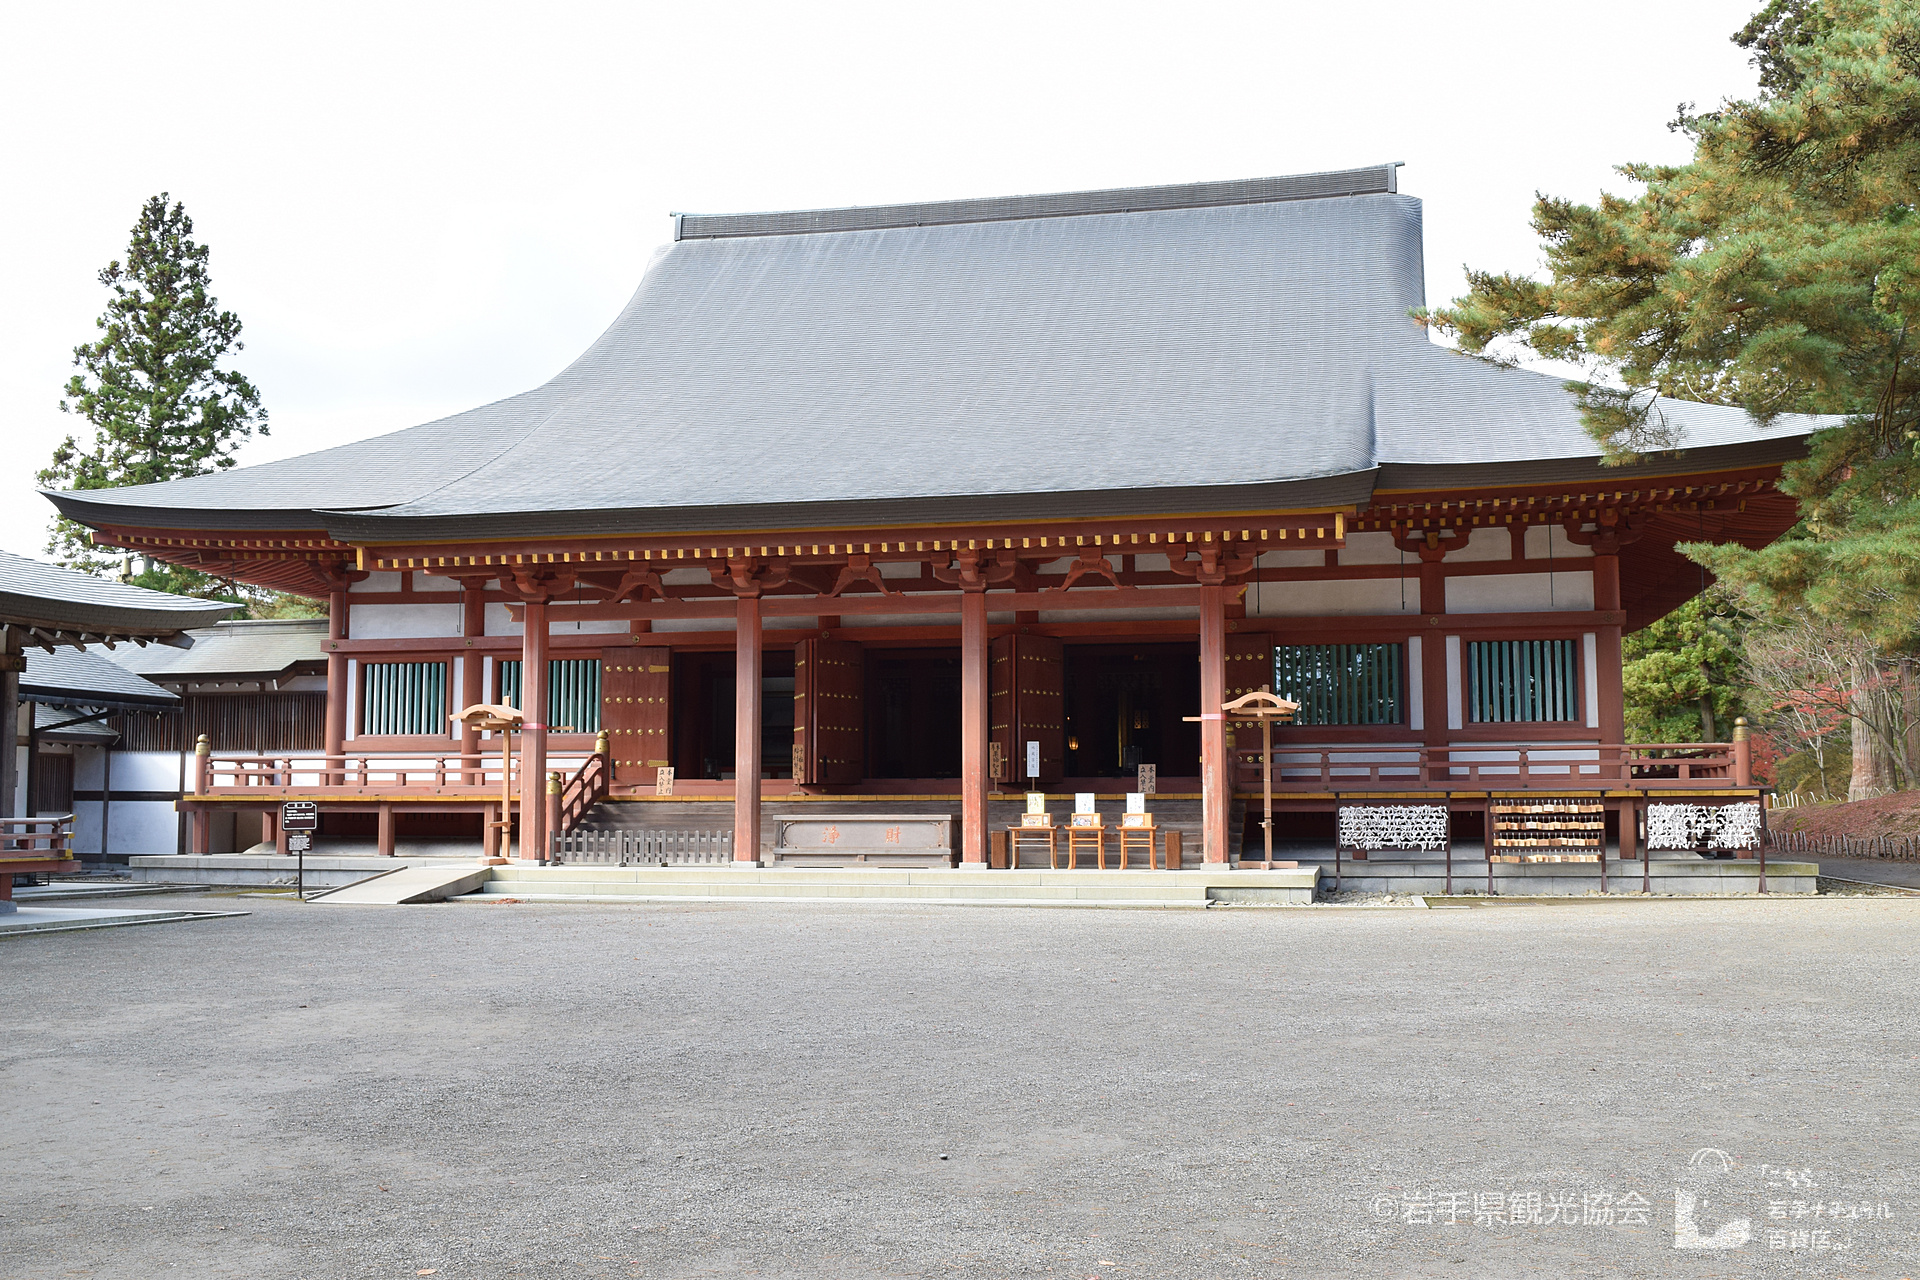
(417,208)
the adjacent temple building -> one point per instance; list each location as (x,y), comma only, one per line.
(895,506)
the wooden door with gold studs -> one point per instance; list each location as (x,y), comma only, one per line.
(635,711)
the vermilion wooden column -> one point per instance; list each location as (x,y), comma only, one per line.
(973,729)
(473,622)
(533,732)
(1215,779)
(746,732)
(337,691)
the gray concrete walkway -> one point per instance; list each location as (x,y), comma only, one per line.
(551,1090)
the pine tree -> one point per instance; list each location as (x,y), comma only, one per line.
(154,388)
(1778,270)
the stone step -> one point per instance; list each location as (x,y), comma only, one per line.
(1117,888)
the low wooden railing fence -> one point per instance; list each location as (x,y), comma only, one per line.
(49,836)
(449,772)
(1676,765)
(644,848)
(1889,848)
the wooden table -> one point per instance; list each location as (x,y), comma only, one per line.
(1050,834)
(1079,836)
(1129,837)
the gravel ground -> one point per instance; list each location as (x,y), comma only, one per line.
(553,1090)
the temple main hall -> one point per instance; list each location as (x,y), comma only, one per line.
(922,512)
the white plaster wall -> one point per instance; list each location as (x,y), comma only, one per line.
(375,582)
(588,627)
(1333,598)
(1290,560)
(687,577)
(1541,537)
(1361,548)
(900,568)
(1483,544)
(1521,592)
(1456,691)
(1116,615)
(143,826)
(89,764)
(1056,566)
(1151,562)
(403,621)
(1416,686)
(854,620)
(699,624)
(493,617)
(145,771)
(434,582)
(1590,664)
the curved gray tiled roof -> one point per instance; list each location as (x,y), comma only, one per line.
(1223,346)
(83,677)
(251,648)
(36,594)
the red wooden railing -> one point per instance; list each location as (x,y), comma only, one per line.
(585,789)
(442,773)
(49,837)
(1678,766)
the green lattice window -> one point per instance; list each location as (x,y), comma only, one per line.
(573,692)
(1522,680)
(404,697)
(1342,683)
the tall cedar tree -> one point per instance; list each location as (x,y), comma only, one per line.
(1778,271)
(153,388)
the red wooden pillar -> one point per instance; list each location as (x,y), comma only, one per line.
(746,732)
(1215,779)
(533,732)
(384,845)
(473,622)
(337,691)
(973,728)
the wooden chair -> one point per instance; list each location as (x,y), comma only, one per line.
(1036,831)
(1135,830)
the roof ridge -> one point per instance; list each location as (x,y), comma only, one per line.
(1373,180)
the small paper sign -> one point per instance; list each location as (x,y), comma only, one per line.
(1033,759)
(1083,802)
(1086,819)
(1149,778)
(1036,802)
(663,782)
(1136,802)
(1036,820)
(1135,820)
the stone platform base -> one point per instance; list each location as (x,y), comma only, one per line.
(1689,878)
(250,870)
(955,887)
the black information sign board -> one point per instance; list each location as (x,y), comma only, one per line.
(299,818)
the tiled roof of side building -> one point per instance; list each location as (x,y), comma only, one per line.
(33,593)
(87,677)
(1224,346)
(246,649)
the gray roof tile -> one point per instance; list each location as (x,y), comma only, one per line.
(1245,354)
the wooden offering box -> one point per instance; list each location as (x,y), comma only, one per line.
(864,840)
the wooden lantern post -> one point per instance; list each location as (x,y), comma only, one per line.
(485,717)
(1267,708)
